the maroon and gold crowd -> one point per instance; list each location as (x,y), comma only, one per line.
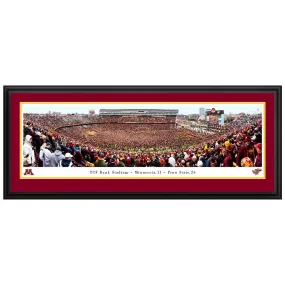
(135,145)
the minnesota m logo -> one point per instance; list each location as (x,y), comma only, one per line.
(28,172)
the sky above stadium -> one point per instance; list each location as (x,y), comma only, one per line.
(184,109)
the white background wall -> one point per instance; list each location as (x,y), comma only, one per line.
(141,242)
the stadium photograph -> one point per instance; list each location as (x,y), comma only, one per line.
(142,135)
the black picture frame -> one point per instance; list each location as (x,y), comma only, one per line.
(277,194)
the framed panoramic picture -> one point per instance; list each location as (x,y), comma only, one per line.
(142,142)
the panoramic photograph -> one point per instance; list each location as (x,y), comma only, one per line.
(142,135)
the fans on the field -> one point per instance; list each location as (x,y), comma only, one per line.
(28,152)
(66,162)
(100,162)
(45,154)
(237,144)
(56,157)
(258,158)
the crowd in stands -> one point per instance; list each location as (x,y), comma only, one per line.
(165,119)
(237,145)
(45,121)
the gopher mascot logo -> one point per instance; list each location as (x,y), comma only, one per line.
(256,171)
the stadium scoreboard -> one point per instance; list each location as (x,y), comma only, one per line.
(215,117)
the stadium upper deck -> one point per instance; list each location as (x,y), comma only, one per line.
(131,112)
